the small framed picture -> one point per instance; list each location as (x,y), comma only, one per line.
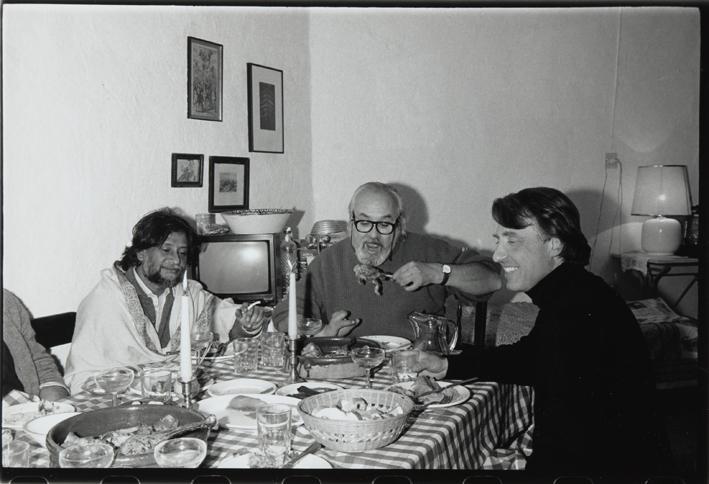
(187,170)
(204,79)
(265,94)
(228,183)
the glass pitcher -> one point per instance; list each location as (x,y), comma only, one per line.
(433,333)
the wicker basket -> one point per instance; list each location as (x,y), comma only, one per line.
(354,436)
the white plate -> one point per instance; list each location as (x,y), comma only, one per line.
(461,393)
(236,419)
(16,416)
(292,389)
(39,427)
(309,461)
(240,386)
(390,343)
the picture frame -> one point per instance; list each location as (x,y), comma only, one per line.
(265,98)
(205,71)
(187,170)
(228,183)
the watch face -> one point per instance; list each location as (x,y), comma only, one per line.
(446,269)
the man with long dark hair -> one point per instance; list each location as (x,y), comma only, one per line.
(133,315)
(585,357)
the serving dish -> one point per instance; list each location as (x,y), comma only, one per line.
(458,393)
(389,343)
(334,360)
(16,416)
(257,221)
(239,386)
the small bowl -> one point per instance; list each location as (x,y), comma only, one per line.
(258,221)
(39,427)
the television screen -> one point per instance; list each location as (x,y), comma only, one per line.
(243,267)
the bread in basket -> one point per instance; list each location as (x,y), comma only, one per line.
(356,435)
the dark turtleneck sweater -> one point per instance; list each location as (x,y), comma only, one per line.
(590,369)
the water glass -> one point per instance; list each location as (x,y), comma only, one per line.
(86,455)
(403,364)
(156,383)
(203,222)
(245,355)
(16,454)
(273,423)
(185,452)
(273,350)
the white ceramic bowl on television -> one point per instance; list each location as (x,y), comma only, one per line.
(257,221)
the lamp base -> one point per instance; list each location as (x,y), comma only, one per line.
(661,236)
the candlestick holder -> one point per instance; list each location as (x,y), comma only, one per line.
(187,400)
(293,349)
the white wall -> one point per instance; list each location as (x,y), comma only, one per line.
(94,105)
(458,106)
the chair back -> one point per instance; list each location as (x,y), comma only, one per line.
(54,330)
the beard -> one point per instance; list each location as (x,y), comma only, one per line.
(157,278)
(365,256)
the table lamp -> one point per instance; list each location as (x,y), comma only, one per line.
(661,191)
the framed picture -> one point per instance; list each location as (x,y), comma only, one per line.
(265,93)
(204,79)
(187,170)
(228,183)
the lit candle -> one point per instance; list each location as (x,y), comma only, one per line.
(292,311)
(185,343)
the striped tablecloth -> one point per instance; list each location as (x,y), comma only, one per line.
(491,430)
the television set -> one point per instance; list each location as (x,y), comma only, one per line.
(243,267)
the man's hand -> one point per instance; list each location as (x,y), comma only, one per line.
(250,320)
(430,364)
(339,325)
(53,393)
(414,275)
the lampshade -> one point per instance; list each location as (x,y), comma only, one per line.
(660,191)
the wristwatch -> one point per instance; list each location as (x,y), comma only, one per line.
(446,269)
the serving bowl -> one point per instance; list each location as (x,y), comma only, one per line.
(257,221)
(97,422)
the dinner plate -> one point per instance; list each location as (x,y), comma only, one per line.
(239,386)
(241,461)
(461,393)
(390,343)
(16,416)
(237,419)
(319,386)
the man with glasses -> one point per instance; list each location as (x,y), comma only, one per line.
(424,272)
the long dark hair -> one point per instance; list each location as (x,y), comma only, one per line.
(555,214)
(152,230)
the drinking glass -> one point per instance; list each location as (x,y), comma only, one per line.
(368,357)
(187,452)
(115,381)
(273,423)
(201,338)
(16,454)
(403,364)
(245,355)
(309,326)
(273,350)
(95,454)
(156,383)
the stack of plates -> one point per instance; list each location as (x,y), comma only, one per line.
(328,227)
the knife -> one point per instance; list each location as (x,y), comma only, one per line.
(314,447)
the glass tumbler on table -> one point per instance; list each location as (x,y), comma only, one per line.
(273,423)
(156,383)
(245,355)
(403,364)
(273,350)
(16,453)
(368,357)
(185,452)
(115,381)
(95,454)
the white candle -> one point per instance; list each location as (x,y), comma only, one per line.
(185,343)
(292,311)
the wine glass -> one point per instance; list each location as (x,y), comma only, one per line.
(115,381)
(94,454)
(188,452)
(309,326)
(201,338)
(368,357)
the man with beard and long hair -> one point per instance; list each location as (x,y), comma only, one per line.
(133,314)
(424,272)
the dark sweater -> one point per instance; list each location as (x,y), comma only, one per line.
(587,361)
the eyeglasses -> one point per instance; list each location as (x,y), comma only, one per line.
(365,226)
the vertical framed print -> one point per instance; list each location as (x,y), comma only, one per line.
(228,183)
(204,79)
(265,98)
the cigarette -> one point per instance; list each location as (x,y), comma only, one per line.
(252,305)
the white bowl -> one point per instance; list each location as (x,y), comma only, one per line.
(258,221)
(39,427)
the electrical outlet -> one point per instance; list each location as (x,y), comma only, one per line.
(612,160)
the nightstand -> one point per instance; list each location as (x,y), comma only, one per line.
(653,268)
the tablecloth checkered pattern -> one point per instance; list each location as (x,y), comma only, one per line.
(488,431)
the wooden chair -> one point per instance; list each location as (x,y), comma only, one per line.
(54,332)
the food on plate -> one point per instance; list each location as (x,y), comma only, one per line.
(368,273)
(425,384)
(303,391)
(312,350)
(32,411)
(356,409)
(246,405)
(135,440)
